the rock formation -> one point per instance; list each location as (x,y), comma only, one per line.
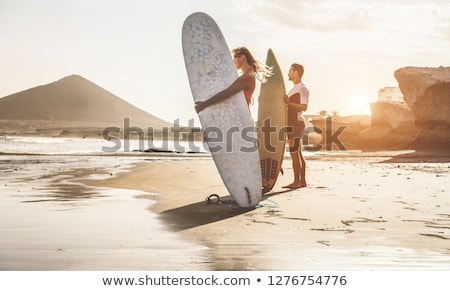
(392,127)
(427,93)
(340,133)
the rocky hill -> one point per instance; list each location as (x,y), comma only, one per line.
(70,105)
(421,123)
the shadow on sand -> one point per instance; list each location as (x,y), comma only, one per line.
(205,212)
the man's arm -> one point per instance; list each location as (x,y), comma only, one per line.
(293,105)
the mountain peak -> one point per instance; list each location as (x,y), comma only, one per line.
(73,77)
(74,99)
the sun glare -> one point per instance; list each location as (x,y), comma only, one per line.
(359,105)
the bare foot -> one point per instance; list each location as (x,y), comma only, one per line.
(294,185)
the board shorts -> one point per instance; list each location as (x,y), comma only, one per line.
(295,132)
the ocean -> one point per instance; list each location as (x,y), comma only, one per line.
(92,146)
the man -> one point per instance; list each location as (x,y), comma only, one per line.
(297,102)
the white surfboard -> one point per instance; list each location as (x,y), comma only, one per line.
(228,126)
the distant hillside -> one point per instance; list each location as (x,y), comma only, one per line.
(71,102)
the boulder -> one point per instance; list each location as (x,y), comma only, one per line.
(427,93)
(392,127)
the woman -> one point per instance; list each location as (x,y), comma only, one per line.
(250,69)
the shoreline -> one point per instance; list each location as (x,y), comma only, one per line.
(50,220)
(360,211)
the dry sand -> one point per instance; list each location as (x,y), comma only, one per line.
(362,211)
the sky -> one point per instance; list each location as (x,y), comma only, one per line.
(349,48)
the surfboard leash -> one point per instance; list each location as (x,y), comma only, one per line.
(274,204)
(215,199)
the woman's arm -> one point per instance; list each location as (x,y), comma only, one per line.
(241,83)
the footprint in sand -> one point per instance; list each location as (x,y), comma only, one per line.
(362,219)
(435,235)
(345,230)
(324,242)
(296,218)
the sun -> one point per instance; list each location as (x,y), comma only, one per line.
(359,104)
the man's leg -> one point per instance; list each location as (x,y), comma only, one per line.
(302,169)
(294,150)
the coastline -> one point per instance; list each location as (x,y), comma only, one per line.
(50,220)
(360,211)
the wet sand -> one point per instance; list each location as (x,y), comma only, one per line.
(50,220)
(360,211)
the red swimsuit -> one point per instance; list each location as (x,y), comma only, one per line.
(248,97)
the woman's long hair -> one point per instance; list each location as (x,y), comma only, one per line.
(262,71)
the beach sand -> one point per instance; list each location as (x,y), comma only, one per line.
(360,211)
(377,211)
